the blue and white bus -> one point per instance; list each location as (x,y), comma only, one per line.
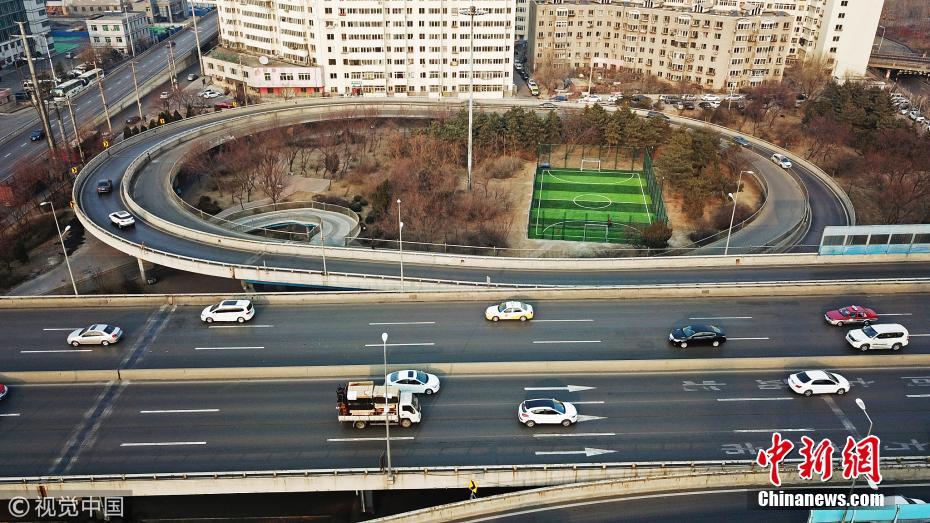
(67,90)
(90,76)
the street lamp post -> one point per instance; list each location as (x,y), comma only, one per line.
(880,42)
(62,239)
(471,12)
(197,39)
(322,245)
(733,197)
(37,93)
(400,245)
(135,85)
(387,421)
(861,405)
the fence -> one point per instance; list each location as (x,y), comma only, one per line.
(570,156)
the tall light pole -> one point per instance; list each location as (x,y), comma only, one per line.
(197,39)
(135,84)
(322,245)
(132,45)
(861,405)
(62,239)
(400,245)
(387,420)
(77,137)
(880,42)
(103,98)
(591,74)
(471,12)
(37,93)
(739,179)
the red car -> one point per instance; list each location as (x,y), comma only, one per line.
(3,391)
(851,314)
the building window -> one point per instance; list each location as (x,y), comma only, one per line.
(844,3)
(839,27)
(267,77)
(842,15)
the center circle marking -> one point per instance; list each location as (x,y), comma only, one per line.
(600,202)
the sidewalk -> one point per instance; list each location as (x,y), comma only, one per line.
(91,258)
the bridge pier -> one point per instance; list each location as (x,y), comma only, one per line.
(367,501)
(147,272)
(887,73)
(247,287)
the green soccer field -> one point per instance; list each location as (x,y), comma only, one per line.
(605,206)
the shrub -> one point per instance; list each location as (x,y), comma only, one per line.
(656,235)
(20,251)
(207,205)
(699,235)
(502,167)
(721,219)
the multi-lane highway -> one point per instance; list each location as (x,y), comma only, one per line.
(268,425)
(420,333)
(87,105)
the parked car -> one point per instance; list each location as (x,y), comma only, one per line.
(415,381)
(546,412)
(850,314)
(559,98)
(132,120)
(812,382)
(229,310)
(547,105)
(708,105)
(878,336)
(697,335)
(741,141)
(163,95)
(781,160)
(191,77)
(656,114)
(69,55)
(122,219)
(97,334)
(36,135)
(104,186)
(223,105)
(21,96)
(509,310)
(710,98)
(210,94)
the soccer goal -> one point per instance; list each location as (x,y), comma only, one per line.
(594,232)
(591,164)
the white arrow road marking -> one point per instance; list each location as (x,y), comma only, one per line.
(402,344)
(775,430)
(587,452)
(404,323)
(755,399)
(554,321)
(228,348)
(9,415)
(63,329)
(587,403)
(724,318)
(177,411)
(744,339)
(163,444)
(393,438)
(575,435)
(896,314)
(239,326)
(54,351)
(571,341)
(569,388)
(582,417)
(912,334)
(918,395)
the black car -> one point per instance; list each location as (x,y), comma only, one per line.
(132,120)
(697,335)
(104,186)
(21,96)
(37,135)
(656,114)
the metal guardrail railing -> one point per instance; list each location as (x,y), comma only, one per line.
(631,466)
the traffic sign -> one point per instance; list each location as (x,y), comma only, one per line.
(106,144)
(74,170)
(473,487)
(161,121)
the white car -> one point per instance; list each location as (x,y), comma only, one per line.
(122,219)
(710,98)
(781,160)
(163,95)
(229,310)
(415,381)
(97,334)
(735,97)
(812,382)
(547,412)
(211,94)
(509,310)
(878,336)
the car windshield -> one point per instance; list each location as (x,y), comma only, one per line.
(688,330)
(844,311)
(869,331)
(834,377)
(558,406)
(422,377)
(715,329)
(803,377)
(392,377)
(83,331)
(501,307)
(214,307)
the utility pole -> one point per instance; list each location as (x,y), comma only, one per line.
(106,110)
(77,136)
(471,12)
(197,40)
(132,45)
(61,125)
(37,93)
(171,64)
(135,84)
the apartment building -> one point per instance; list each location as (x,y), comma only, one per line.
(33,13)
(120,30)
(716,48)
(363,47)
(719,44)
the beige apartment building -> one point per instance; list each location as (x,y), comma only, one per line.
(718,48)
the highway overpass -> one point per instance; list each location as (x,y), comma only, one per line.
(913,64)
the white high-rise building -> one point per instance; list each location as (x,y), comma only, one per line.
(363,47)
(33,13)
(841,31)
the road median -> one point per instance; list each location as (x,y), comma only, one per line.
(533,368)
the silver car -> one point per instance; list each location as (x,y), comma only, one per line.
(97,334)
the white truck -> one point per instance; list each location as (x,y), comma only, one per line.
(363,403)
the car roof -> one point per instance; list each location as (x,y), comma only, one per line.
(226,303)
(121,214)
(817,374)
(532,404)
(514,304)
(888,327)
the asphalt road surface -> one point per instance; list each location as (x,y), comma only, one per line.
(174,337)
(264,425)
(88,104)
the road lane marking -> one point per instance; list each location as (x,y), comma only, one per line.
(569,388)
(7,155)
(918,395)
(162,444)
(841,415)
(228,348)
(587,402)
(239,326)
(177,411)
(15,415)
(563,321)
(744,339)
(587,452)
(755,399)
(575,435)
(430,344)
(724,318)
(23,145)
(896,314)
(54,351)
(920,334)
(393,438)
(403,323)
(565,341)
(583,417)
(63,329)
(773,430)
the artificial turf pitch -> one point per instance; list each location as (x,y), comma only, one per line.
(597,206)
